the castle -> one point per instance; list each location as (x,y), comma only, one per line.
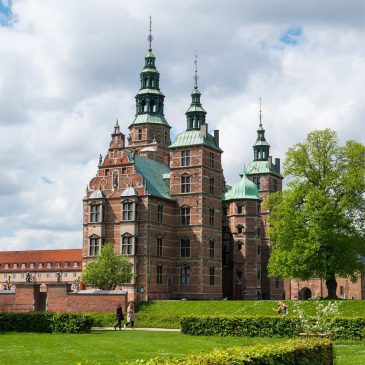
(165,205)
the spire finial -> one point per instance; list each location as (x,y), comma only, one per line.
(116,127)
(260,114)
(196,77)
(150,38)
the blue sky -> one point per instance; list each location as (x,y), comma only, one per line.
(68,70)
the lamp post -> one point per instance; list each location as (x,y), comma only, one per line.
(142,291)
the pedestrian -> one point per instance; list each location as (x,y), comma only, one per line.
(119,317)
(130,315)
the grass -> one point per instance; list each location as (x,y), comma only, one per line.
(111,348)
(167,314)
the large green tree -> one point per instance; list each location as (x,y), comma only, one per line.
(317,224)
(108,270)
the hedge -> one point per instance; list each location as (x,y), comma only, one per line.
(45,322)
(343,328)
(298,352)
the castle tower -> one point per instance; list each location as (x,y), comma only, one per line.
(196,182)
(266,175)
(242,241)
(150,131)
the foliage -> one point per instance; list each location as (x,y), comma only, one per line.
(283,326)
(317,225)
(108,270)
(322,322)
(297,352)
(45,322)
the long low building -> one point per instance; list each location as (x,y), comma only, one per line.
(42,265)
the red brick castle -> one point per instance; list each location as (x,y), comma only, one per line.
(166,205)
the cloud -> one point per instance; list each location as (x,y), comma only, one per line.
(68,70)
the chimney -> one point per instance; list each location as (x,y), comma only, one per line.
(204,130)
(270,162)
(216,137)
(277,164)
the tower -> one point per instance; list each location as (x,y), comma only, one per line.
(196,182)
(266,175)
(150,131)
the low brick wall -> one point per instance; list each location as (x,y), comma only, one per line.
(61,299)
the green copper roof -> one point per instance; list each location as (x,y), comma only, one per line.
(244,189)
(150,54)
(194,138)
(149,91)
(153,173)
(261,167)
(261,143)
(151,119)
(196,108)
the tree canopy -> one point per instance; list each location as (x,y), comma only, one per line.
(108,270)
(317,224)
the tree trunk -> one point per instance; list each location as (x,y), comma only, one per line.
(331,284)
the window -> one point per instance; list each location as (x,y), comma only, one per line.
(225,210)
(40,265)
(275,185)
(49,265)
(211,160)
(239,209)
(159,213)
(65,274)
(259,249)
(185,183)
(67,264)
(7,266)
(15,266)
(58,265)
(239,246)
(39,275)
(139,134)
(185,247)
(95,213)
(166,137)
(211,216)
(115,180)
(258,209)
(31,265)
(159,246)
(258,232)
(159,274)
(256,180)
(14,275)
(74,275)
(47,275)
(76,264)
(127,211)
(185,158)
(127,245)
(22,275)
(239,229)
(185,215)
(211,276)
(23,266)
(211,186)
(211,249)
(258,273)
(185,273)
(94,248)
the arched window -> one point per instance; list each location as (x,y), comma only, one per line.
(94,245)
(127,244)
(185,275)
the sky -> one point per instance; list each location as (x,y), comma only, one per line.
(69,69)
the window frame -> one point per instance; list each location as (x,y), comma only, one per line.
(211,185)
(211,160)
(185,247)
(94,247)
(185,184)
(211,248)
(159,246)
(159,274)
(95,213)
(185,213)
(185,158)
(128,208)
(127,243)
(159,213)
(185,275)
(211,216)
(211,275)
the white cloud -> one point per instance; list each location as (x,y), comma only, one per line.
(67,70)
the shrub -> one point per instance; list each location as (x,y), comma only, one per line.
(102,319)
(298,352)
(45,322)
(342,328)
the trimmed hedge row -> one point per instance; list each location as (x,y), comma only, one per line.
(342,328)
(45,322)
(298,352)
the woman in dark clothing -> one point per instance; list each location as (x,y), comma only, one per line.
(119,318)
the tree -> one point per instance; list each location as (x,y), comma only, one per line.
(317,224)
(108,270)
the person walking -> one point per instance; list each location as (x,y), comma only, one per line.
(119,317)
(130,315)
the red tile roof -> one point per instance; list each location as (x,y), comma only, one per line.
(40,256)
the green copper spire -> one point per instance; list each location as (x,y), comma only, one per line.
(244,189)
(150,100)
(195,115)
(261,148)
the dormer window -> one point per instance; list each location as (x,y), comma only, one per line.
(15,266)
(49,265)
(40,265)
(23,265)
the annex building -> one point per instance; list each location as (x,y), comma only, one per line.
(167,206)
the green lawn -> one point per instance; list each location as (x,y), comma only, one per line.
(109,348)
(167,313)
